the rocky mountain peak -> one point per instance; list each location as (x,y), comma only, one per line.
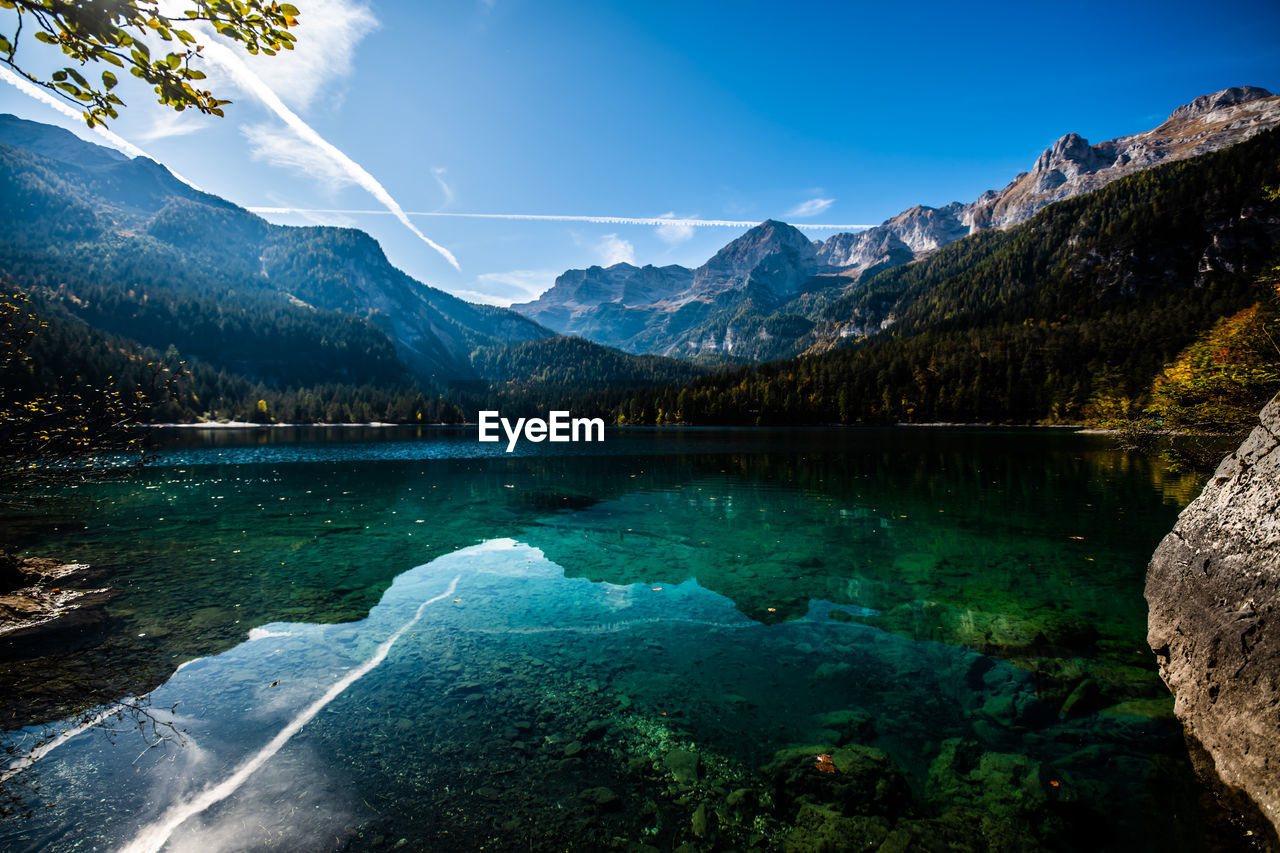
(1071,155)
(733,263)
(1205,104)
(772,236)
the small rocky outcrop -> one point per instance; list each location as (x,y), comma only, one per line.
(31,591)
(1214,589)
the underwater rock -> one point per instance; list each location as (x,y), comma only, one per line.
(1082,700)
(32,592)
(705,822)
(847,725)
(999,783)
(594,730)
(1154,709)
(865,781)
(741,805)
(824,829)
(1213,586)
(949,770)
(683,764)
(601,796)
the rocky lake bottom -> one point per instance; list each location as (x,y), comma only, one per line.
(684,640)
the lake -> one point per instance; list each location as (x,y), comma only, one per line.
(379,639)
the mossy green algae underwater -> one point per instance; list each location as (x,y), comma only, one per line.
(957,610)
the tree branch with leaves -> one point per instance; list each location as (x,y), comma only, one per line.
(117,32)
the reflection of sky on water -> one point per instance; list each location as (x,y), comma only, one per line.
(258,721)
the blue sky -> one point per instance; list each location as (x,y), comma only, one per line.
(826,113)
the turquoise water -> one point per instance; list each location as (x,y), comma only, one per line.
(365,640)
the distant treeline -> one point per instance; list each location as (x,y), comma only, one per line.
(66,355)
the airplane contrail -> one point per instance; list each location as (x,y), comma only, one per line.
(542,217)
(226,59)
(117,142)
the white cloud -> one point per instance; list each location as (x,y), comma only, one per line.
(679,231)
(438,173)
(615,250)
(504,288)
(328,33)
(281,147)
(812,207)
(165,123)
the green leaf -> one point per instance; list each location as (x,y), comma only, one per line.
(111,59)
(59,76)
(173,60)
(109,80)
(5,47)
(288,9)
(41,35)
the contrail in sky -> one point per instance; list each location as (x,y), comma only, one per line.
(117,142)
(243,75)
(540,217)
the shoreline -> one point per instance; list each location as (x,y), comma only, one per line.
(251,425)
(1079,428)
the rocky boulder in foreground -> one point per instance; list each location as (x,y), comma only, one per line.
(1214,589)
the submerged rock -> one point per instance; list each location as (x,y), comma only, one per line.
(683,764)
(1212,586)
(601,796)
(32,592)
(705,822)
(853,780)
(828,830)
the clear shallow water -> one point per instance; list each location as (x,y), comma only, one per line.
(460,649)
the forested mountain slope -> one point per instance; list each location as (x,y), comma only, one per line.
(130,249)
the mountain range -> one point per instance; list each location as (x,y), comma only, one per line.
(772,293)
(128,248)
(1075,284)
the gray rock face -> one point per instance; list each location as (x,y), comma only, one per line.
(1073,167)
(732,266)
(664,309)
(896,241)
(1214,591)
(567,306)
